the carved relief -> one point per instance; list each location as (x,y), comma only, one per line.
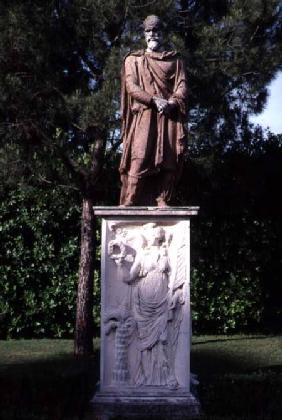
(122,322)
(151,312)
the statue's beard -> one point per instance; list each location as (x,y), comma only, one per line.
(153,44)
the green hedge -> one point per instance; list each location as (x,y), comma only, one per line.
(226,284)
(39,237)
(235,275)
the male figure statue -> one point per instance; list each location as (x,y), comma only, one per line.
(154,95)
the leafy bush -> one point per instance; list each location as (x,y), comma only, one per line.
(235,278)
(232,280)
(39,237)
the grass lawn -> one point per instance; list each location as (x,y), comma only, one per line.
(240,378)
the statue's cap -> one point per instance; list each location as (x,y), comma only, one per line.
(152,21)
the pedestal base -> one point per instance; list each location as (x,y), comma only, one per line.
(145,315)
(151,406)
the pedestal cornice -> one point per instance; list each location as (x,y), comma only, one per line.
(109,211)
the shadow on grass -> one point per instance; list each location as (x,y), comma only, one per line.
(237,383)
(253,396)
(269,369)
(233,384)
(210,362)
(57,388)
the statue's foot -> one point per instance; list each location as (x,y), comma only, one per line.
(161,202)
(127,203)
(172,382)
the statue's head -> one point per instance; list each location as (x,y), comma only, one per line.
(155,235)
(153,33)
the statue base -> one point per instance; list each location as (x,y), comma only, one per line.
(145,313)
(153,405)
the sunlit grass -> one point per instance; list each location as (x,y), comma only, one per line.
(24,351)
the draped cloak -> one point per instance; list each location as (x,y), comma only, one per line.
(151,315)
(152,141)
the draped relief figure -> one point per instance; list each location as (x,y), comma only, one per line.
(151,269)
(151,313)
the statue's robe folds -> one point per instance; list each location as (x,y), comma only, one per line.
(151,316)
(152,142)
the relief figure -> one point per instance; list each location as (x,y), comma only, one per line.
(149,276)
(151,313)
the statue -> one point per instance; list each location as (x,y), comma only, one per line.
(153,112)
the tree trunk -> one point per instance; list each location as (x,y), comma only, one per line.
(83,344)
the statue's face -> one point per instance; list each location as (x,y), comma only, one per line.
(154,39)
(155,237)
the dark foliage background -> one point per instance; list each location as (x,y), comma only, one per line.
(236,248)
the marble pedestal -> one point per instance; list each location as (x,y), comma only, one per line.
(145,313)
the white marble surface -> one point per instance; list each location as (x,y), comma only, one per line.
(145,310)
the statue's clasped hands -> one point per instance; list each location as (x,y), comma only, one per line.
(163,106)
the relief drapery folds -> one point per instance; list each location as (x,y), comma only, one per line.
(148,262)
